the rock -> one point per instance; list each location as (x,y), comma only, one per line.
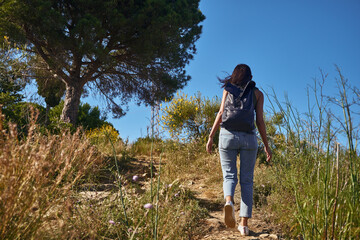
(264,235)
(273,236)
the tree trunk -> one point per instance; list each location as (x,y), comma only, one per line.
(47,114)
(71,103)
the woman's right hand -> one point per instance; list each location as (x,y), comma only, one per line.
(268,153)
(209,145)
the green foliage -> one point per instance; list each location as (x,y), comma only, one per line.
(13,73)
(15,110)
(12,68)
(123,48)
(88,117)
(9,93)
(190,117)
(21,113)
(49,84)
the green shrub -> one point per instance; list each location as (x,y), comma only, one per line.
(88,118)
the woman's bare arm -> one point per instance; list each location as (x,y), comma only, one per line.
(260,123)
(217,122)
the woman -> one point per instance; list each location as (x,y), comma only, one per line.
(240,101)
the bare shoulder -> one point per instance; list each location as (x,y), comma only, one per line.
(225,93)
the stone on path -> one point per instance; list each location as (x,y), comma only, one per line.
(273,236)
(268,236)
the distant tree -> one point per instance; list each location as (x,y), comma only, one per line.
(9,95)
(12,71)
(90,117)
(119,48)
(50,86)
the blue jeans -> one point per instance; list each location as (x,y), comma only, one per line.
(232,143)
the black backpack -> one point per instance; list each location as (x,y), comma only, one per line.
(239,108)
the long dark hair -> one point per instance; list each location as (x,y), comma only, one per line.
(240,76)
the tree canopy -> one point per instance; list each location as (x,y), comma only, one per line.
(122,49)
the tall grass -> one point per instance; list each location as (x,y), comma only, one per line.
(37,176)
(316,164)
(49,189)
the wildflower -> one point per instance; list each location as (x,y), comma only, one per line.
(135,178)
(111,222)
(148,206)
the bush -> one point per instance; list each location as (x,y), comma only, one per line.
(88,118)
(103,135)
(190,118)
(105,138)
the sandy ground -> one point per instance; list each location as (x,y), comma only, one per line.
(211,198)
(214,226)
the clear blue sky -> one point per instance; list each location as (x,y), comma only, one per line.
(284,42)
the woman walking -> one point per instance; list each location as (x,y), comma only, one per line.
(241,102)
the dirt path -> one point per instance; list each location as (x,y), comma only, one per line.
(214,226)
(211,199)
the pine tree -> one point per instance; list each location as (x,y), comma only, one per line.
(121,48)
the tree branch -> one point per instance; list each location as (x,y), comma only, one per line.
(46,58)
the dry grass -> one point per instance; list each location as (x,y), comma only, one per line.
(43,193)
(37,175)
